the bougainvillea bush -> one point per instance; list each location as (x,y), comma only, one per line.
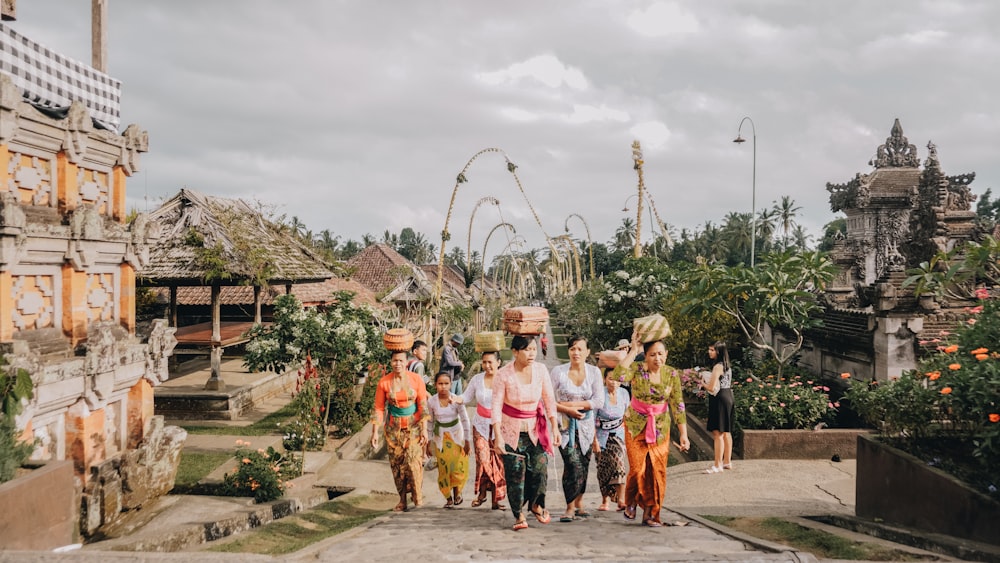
(947,411)
(261,474)
(781,402)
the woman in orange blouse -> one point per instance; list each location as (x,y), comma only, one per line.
(525,429)
(404,395)
(656,396)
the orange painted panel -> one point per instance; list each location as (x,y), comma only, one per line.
(66,190)
(140,411)
(119,213)
(6,308)
(126,300)
(85,438)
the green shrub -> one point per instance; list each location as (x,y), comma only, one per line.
(787,402)
(16,388)
(261,474)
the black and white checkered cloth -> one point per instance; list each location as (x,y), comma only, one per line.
(51,80)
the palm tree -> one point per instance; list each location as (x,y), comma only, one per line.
(786,212)
(625,236)
(801,238)
(765,230)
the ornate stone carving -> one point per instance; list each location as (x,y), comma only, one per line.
(897,152)
(136,141)
(159,347)
(10,100)
(891,229)
(78,127)
(104,353)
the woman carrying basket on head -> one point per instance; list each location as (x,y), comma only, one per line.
(489,464)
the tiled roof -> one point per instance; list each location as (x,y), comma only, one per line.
(226,223)
(308,293)
(894,181)
(452,281)
(377,267)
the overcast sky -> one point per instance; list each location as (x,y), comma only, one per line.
(356,116)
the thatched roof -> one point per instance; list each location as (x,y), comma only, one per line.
(380,268)
(310,294)
(205,236)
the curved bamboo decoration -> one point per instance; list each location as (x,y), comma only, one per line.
(590,243)
(468,243)
(482,284)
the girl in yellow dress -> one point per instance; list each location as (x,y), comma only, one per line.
(451,440)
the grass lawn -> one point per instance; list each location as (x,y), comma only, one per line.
(300,530)
(822,544)
(195,466)
(264,426)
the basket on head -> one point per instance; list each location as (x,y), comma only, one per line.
(398,340)
(525,321)
(610,358)
(492,341)
(651,328)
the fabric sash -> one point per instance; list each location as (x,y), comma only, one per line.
(541,424)
(483,411)
(610,423)
(402,412)
(439,425)
(572,428)
(650,412)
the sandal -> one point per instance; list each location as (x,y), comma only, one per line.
(629,513)
(401,507)
(713,469)
(449,504)
(727,466)
(652,523)
(582,513)
(522,525)
(477,502)
(565,518)
(543,517)
(499,506)
(620,508)
(604,507)
(458,500)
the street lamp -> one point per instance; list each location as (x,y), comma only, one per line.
(753,200)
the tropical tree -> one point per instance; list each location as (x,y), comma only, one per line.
(779,293)
(785,212)
(625,236)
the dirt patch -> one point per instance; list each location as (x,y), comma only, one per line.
(823,545)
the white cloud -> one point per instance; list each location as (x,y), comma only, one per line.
(652,134)
(663,18)
(546,69)
(586,114)
(518,114)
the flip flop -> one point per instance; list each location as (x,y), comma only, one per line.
(449,504)
(712,470)
(629,513)
(522,525)
(543,517)
(620,508)
(652,523)
(477,502)
(566,518)
(499,506)
(399,508)
(727,466)
(458,500)
(583,514)
(603,508)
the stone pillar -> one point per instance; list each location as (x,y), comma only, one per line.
(126,303)
(140,411)
(84,438)
(6,307)
(74,306)
(66,189)
(117,184)
(894,348)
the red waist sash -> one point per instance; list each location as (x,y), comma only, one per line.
(483,411)
(541,424)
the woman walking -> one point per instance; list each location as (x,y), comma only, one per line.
(489,464)
(720,408)
(578,393)
(609,443)
(403,394)
(656,395)
(451,440)
(524,416)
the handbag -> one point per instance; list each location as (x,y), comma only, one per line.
(706,376)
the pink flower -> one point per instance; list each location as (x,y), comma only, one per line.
(976,310)
(837,404)
(749,379)
(982,293)
(796,397)
(829,405)
(781,404)
(825,388)
(944,333)
(971,321)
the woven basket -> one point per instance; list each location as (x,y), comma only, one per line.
(490,341)
(525,321)
(651,328)
(610,359)
(398,340)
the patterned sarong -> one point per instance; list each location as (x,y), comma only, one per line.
(611,467)
(576,465)
(406,457)
(526,471)
(489,469)
(452,463)
(647,473)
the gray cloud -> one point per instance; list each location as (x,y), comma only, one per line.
(357,116)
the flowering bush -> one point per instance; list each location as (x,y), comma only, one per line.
(262,474)
(306,431)
(790,402)
(953,394)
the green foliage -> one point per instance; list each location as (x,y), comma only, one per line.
(779,292)
(344,341)
(952,393)
(306,430)
(16,388)
(262,474)
(773,402)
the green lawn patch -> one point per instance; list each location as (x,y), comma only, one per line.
(296,532)
(823,545)
(195,466)
(264,426)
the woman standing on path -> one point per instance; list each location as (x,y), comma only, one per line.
(720,408)
(489,464)
(404,395)
(451,441)
(609,443)
(656,391)
(578,393)
(524,417)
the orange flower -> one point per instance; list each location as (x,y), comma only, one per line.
(982,357)
(246,460)
(845,376)
(978,351)
(933,375)
(951,349)
(955,367)
(946,391)
(994,417)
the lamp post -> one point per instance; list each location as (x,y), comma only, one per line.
(753,200)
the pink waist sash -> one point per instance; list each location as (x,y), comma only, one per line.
(541,424)
(483,411)
(650,412)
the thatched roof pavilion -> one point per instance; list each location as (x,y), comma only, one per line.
(213,241)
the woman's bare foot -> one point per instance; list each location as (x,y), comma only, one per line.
(605,505)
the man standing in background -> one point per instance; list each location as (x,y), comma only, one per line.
(451,363)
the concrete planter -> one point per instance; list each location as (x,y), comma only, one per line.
(40,509)
(901,489)
(801,444)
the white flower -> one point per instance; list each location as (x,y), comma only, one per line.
(617,298)
(622,274)
(631,293)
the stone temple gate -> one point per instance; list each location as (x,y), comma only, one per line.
(898,215)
